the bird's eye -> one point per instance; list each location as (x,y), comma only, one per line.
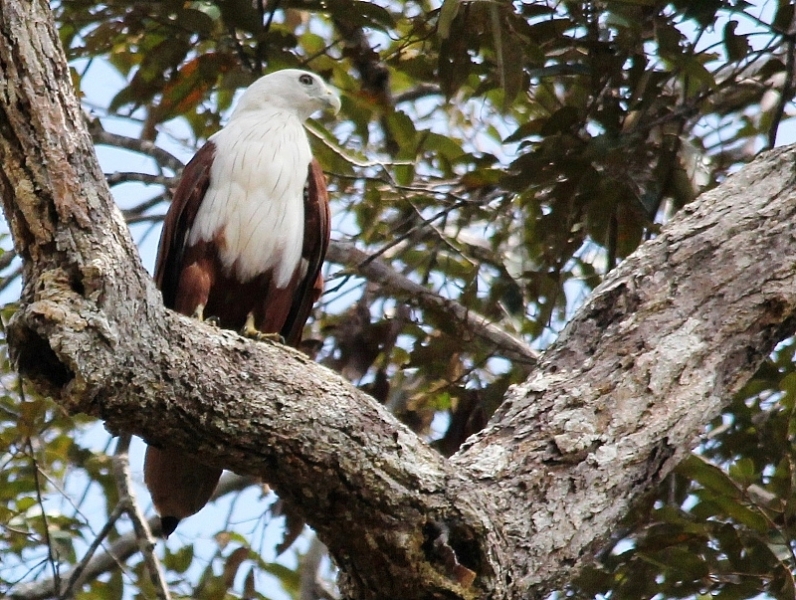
(306,80)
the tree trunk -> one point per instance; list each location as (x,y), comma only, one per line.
(619,399)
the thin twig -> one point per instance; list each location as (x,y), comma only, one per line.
(8,279)
(62,492)
(126,177)
(413,230)
(311,585)
(120,550)
(159,155)
(134,219)
(318,133)
(143,534)
(6,258)
(262,55)
(47,540)
(136,213)
(416,93)
(75,579)
(240,50)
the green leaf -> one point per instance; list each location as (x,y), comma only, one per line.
(510,57)
(709,476)
(289,578)
(669,39)
(403,130)
(180,560)
(447,13)
(743,471)
(737,46)
(201,21)
(23,504)
(361,14)
(784,16)
(695,69)
(561,121)
(442,145)
(750,517)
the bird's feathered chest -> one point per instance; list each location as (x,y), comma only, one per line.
(253,210)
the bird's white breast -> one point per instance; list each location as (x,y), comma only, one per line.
(256,195)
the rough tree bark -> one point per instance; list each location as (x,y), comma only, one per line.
(618,400)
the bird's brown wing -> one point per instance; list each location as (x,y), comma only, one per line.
(179,221)
(317,228)
(179,483)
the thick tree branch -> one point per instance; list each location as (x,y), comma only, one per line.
(657,351)
(654,354)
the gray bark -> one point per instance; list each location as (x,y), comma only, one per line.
(619,399)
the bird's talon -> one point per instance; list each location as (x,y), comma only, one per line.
(259,336)
(250,331)
(199,313)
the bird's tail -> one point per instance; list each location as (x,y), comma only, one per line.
(179,485)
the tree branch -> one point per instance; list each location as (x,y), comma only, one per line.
(119,551)
(162,157)
(143,533)
(79,573)
(117,178)
(656,351)
(469,323)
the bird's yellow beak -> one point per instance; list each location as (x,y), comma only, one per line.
(332,101)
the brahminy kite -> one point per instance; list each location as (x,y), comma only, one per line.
(243,243)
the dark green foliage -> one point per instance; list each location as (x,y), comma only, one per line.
(506,155)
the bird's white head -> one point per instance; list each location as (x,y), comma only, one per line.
(300,92)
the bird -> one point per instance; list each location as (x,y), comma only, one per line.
(242,245)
